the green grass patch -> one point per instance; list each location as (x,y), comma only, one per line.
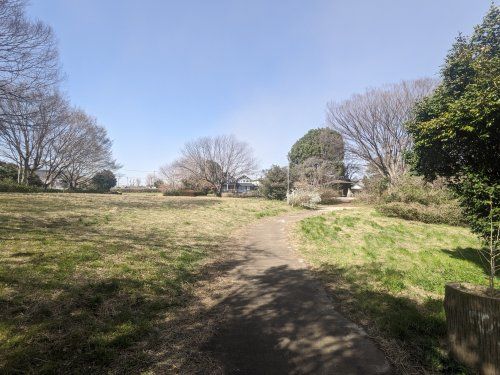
(389,275)
(86,280)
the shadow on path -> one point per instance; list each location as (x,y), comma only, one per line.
(277,318)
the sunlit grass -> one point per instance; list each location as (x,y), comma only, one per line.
(389,275)
(85,277)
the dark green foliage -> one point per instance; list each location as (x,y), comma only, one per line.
(481,205)
(8,185)
(317,158)
(34,180)
(274,183)
(457,129)
(322,143)
(8,171)
(104,180)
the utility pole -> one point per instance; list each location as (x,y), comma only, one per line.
(288,182)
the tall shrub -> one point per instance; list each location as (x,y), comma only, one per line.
(104,180)
(274,184)
(457,130)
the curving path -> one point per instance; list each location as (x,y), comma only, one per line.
(277,319)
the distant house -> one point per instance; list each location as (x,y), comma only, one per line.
(242,184)
(57,184)
(355,188)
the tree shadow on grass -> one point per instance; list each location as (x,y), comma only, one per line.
(267,324)
(56,319)
(471,255)
(88,216)
(415,330)
(176,203)
(127,325)
(71,325)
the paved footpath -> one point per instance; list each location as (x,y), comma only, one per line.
(277,319)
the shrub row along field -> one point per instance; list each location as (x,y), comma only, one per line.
(412,198)
(87,280)
(388,275)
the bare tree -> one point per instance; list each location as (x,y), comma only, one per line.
(28,52)
(373,124)
(60,152)
(28,129)
(38,130)
(150,180)
(172,176)
(89,151)
(352,169)
(215,160)
(316,173)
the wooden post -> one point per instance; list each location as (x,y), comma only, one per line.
(473,321)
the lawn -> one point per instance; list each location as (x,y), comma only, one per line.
(388,275)
(104,283)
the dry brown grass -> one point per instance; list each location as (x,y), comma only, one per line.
(110,283)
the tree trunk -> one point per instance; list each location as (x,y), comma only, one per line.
(473,321)
(26,170)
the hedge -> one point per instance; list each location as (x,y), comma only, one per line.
(184,193)
(433,214)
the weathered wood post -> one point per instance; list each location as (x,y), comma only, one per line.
(473,321)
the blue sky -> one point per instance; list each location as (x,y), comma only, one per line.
(158,73)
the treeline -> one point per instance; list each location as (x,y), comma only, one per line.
(42,135)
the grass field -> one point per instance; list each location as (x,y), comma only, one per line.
(388,275)
(88,282)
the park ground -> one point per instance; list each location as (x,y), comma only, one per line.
(388,276)
(123,283)
(91,282)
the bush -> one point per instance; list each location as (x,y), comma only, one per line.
(184,193)
(10,186)
(133,190)
(414,189)
(8,171)
(323,143)
(274,184)
(375,188)
(104,180)
(250,194)
(304,198)
(432,214)
(456,131)
(329,196)
(412,198)
(246,194)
